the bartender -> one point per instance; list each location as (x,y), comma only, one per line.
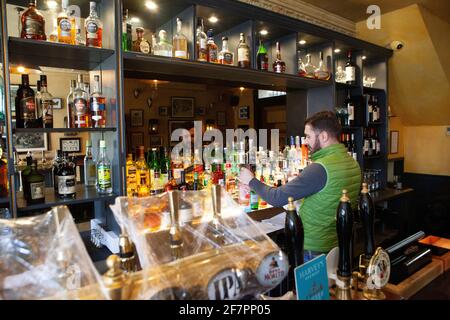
(319,185)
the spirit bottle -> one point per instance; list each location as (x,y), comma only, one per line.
(201,42)
(262,58)
(94,28)
(126,31)
(163,48)
(350,109)
(309,67)
(301,67)
(70,106)
(243,53)
(80,105)
(321,72)
(350,70)
(171,183)
(155,173)
(279,66)
(353,148)
(141,44)
(183,186)
(37,98)
(98,105)
(90,176)
(213,50)
(143,174)
(131,176)
(35,186)
(226,56)
(53,37)
(180,43)
(46,104)
(370,109)
(66,25)
(26,105)
(196,185)
(376,110)
(66,178)
(104,172)
(33,23)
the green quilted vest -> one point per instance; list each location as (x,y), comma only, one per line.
(318,211)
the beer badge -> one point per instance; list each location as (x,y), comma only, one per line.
(228,284)
(379,270)
(272,269)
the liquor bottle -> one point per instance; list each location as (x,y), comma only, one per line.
(183,186)
(126,32)
(279,66)
(25,173)
(70,106)
(366,145)
(155,173)
(353,148)
(94,27)
(309,68)
(293,228)
(350,109)
(349,144)
(301,67)
(66,178)
(35,186)
(201,42)
(141,44)
(46,104)
(3,174)
(262,59)
(165,165)
(131,176)
(143,174)
(254,200)
(37,98)
(104,171)
(321,72)
(53,37)
(98,105)
(196,185)
(26,105)
(375,110)
(350,70)
(80,105)
(226,56)
(305,153)
(243,53)
(90,176)
(55,167)
(213,50)
(66,25)
(207,178)
(163,48)
(171,183)
(367,217)
(33,23)
(180,43)
(370,109)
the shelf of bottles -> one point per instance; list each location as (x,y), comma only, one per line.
(63,59)
(198,41)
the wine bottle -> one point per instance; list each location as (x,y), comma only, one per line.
(350,70)
(262,58)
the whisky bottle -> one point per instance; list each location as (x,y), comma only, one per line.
(213,54)
(350,70)
(98,105)
(321,72)
(66,178)
(104,171)
(66,25)
(201,42)
(90,176)
(35,186)
(171,183)
(309,67)
(80,105)
(143,174)
(126,32)
(243,53)
(141,44)
(94,27)
(279,66)
(46,102)
(226,56)
(262,58)
(183,186)
(163,48)
(180,43)
(33,23)
(293,229)
(26,105)
(131,176)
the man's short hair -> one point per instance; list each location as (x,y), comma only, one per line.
(325,121)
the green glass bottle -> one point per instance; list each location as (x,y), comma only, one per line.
(104,171)
(262,58)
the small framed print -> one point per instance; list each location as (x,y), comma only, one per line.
(57,103)
(136,118)
(136,140)
(70,144)
(244,113)
(221,118)
(182,107)
(34,141)
(394,142)
(163,111)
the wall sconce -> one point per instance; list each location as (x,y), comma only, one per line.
(153,126)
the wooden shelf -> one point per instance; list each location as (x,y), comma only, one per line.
(340,85)
(50,130)
(375,90)
(34,53)
(83,195)
(142,66)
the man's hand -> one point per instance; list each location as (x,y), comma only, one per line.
(245,176)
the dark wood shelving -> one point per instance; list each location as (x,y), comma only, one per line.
(144,67)
(83,195)
(50,130)
(34,53)
(375,90)
(340,85)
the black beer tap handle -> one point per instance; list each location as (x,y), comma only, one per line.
(344,228)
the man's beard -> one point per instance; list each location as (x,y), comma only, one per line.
(316,147)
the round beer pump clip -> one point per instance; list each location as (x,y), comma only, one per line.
(378,273)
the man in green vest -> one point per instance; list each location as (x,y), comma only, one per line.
(319,185)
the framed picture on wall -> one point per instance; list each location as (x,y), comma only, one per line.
(57,103)
(36,141)
(163,111)
(394,142)
(221,118)
(182,107)
(136,118)
(70,144)
(136,140)
(244,113)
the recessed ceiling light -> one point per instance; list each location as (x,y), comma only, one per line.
(242,89)
(135,20)
(302,42)
(21,69)
(213,19)
(264,32)
(52,4)
(337,50)
(151,5)
(364,57)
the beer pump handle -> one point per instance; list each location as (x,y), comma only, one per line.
(367,216)
(344,228)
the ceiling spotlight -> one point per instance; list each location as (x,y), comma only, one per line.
(337,50)
(151,5)
(21,69)
(364,57)
(213,19)
(264,32)
(242,89)
(302,42)
(52,4)
(135,20)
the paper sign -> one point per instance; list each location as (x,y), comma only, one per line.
(311,280)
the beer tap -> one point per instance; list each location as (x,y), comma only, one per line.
(344,228)
(117,282)
(218,233)
(176,241)
(127,254)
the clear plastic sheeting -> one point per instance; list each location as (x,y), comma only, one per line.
(207,249)
(43,257)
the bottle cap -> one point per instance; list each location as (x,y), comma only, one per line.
(102,144)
